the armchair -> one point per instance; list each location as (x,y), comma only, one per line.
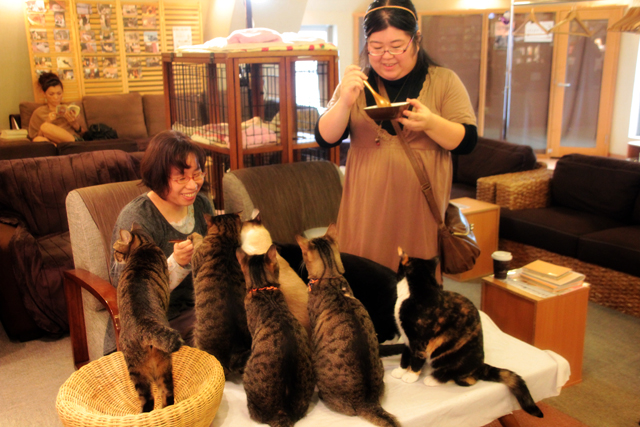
(91,299)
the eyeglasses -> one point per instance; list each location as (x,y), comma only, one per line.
(197,176)
(378,51)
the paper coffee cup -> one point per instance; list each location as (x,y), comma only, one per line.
(501,261)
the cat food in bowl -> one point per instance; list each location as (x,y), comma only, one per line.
(387,113)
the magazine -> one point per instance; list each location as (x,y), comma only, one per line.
(61,109)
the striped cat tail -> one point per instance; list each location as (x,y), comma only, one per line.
(164,338)
(375,414)
(516,385)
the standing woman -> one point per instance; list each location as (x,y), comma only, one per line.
(45,124)
(172,209)
(382,204)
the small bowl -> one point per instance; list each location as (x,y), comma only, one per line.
(387,113)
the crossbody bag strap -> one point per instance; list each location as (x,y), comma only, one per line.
(425,184)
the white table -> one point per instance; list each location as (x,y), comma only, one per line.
(442,406)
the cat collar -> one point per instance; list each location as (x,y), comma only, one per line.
(266,288)
(312,282)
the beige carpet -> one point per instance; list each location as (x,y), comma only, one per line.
(552,418)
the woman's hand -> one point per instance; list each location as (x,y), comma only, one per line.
(71,116)
(182,252)
(351,85)
(419,119)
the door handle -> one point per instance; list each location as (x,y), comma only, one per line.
(564,84)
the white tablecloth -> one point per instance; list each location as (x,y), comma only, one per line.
(445,405)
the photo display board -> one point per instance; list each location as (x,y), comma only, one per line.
(106,47)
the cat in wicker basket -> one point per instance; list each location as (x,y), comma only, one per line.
(146,340)
(278,378)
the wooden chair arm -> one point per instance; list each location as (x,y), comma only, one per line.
(74,281)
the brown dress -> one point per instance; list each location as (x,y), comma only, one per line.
(382,205)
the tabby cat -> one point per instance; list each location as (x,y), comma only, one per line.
(278,377)
(444,328)
(221,322)
(146,339)
(255,239)
(348,368)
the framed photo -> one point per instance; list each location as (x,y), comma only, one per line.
(109,62)
(149,21)
(108,36)
(148,9)
(56,5)
(153,61)
(134,62)
(38,34)
(131,37)
(64,62)
(150,36)
(134,73)
(108,47)
(40,47)
(110,72)
(84,22)
(58,19)
(87,36)
(36,19)
(90,62)
(105,22)
(67,75)
(83,9)
(42,62)
(104,9)
(132,47)
(91,73)
(88,47)
(151,47)
(129,10)
(130,22)
(62,47)
(61,34)
(35,6)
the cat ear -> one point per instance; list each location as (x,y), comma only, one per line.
(332,232)
(272,253)
(125,236)
(255,216)
(241,255)
(404,258)
(196,239)
(209,219)
(303,243)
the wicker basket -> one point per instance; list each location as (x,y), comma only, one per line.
(101,393)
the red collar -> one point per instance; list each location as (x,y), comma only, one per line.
(266,288)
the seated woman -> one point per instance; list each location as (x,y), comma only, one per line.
(172,209)
(45,123)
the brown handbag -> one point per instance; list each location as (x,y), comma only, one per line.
(459,249)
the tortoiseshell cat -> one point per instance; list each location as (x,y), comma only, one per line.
(278,377)
(221,321)
(255,239)
(444,328)
(146,339)
(348,368)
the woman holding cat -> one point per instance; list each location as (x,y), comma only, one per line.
(169,212)
(382,203)
(45,123)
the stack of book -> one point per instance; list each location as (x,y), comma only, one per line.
(13,134)
(551,277)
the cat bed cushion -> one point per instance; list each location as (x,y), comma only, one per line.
(417,405)
(101,393)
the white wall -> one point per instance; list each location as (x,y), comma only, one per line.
(15,70)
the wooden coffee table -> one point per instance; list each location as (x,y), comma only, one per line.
(555,323)
(485,219)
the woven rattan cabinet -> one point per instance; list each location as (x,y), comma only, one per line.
(556,323)
(250,108)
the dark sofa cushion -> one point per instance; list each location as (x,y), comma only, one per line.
(36,188)
(492,157)
(127,145)
(154,114)
(599,185)
(615,248)
(459,189)
(556,229)
(22,148)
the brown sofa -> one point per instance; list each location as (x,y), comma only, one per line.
(585,214)
(34,234)
(136,118)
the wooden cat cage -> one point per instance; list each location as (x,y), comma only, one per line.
(250,108)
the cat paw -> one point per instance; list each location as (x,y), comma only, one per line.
(398,372)
(410,377)
(430,381)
